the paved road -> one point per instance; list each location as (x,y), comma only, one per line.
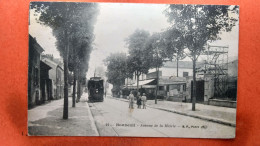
(113,118)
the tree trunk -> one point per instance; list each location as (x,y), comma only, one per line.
(177,66)
(78,87)
(74,88)
(65,59)
(138,81)
(157,85)
(194,85)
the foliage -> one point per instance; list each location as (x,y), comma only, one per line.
(199,24)
(72,25)
(139,62)
(116,68)
(173,45)
(153,50)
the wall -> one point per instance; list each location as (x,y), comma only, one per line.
(173,71)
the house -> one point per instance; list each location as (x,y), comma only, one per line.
(34,92)
(45,82)
(169,88)
(55,75)
(185,68)
(172,86)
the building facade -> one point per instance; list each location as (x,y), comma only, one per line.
(56,77)
(34,91)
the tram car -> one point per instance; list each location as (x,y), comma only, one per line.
(96,89)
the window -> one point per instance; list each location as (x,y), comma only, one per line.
(161,87)
(36,76)
(185,74)
(172,87)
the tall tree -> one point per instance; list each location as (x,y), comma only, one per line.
(154,53)
(198,25)
(116,69)
(66,20)
(138,57)
(81,47)
(173,46)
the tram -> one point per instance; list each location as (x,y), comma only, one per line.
(96,89)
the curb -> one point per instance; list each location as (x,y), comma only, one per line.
(93,125)
(199,117)
(220,121)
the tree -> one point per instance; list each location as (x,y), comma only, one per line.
(78,60)
(67,20)
(154,53)
(173,46)
(116,70)
(138,57)
(198,25)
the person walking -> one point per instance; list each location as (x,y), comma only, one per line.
(131,100)
(144,98)
(139,100)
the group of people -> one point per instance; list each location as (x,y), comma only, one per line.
(140,100)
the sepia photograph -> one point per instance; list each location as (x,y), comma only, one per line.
(132,70)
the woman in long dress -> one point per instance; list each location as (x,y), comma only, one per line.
(131,100)
(138,100)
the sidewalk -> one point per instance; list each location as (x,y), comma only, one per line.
(222,115)
(46,120)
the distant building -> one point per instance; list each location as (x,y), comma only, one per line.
(185,68)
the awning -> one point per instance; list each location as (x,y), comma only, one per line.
(144,82)
(44,66)
(173,81)
(149,86)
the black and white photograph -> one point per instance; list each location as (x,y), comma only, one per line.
(132,70)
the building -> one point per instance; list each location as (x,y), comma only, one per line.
(171,87)
(56,77)
(185,68)
(34,92)
(45,82)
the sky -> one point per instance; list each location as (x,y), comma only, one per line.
(115,22)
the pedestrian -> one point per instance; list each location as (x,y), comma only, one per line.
(144,101)
(131,100)
(138,100)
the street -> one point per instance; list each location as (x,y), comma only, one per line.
(114,118)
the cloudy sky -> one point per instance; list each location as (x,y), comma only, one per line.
(115,22)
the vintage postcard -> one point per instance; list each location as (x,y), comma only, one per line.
(135,70)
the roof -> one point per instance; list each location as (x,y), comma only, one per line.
(162,81)
(33,43)
(182,64)
(50,62)
(45,66)
(170,81)
(144,82)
